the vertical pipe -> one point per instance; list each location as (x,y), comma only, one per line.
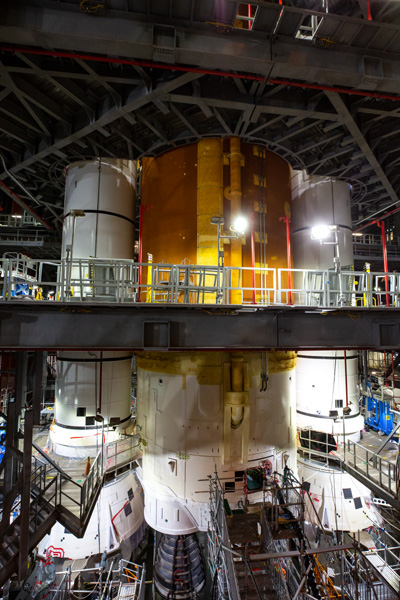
(140,253)
(289,258)
(236,206)
(286,220)
(100,383)
(384,375)
(345,380)
(393,385)
(37,386)
(369,10)
(253,256)
(365,366)
(381,224)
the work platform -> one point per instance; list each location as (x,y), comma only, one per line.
(29,324)
(120,304)
(378,470)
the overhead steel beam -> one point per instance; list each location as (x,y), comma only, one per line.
(139,98)
(283,55)
(347,120)
(57,326)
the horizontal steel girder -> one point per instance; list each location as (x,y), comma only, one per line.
(57,326)
(270,50)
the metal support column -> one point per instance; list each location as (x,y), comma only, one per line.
(39,358)
(25,495)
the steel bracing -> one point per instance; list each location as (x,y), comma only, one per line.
(137,78)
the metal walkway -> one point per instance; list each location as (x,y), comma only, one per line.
(387,573)
(374,471)
(58,496)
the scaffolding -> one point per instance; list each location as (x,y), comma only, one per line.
(125,582)
(288,563)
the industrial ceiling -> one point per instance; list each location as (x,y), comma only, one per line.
(316,81)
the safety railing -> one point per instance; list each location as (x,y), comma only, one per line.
(124,281)
(316,445)
(275,567)
(386,546)
(127,581)
(374,467)
(23,220)
(121,452)
(56,488)
(220,558)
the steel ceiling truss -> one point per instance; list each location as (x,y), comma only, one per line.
(58,109)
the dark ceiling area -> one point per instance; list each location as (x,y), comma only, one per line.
(316,81)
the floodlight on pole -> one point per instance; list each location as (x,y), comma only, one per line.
(321,232)
(240,225)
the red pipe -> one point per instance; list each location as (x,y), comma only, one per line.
(140,254)
(289,258)
(381,224)
(369,10)
(377,220)
(327,88)
(286,219)
(253,255)
(131,62)
(154,65)
(24,205)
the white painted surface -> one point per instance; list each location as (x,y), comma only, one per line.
(183,425)
(108,526)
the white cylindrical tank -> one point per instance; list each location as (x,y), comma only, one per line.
(204,411)
(320,201)
(93,389)
(321,388)
(327,401)
(91,384)
(321,384)
(106,191)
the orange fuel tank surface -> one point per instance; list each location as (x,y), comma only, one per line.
(183,188)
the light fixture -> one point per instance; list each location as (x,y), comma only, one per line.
(240,224)
(357,234)
(320,232)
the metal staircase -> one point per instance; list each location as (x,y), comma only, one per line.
(50,490)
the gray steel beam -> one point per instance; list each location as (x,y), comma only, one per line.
(55,325)
(138,99)
(131,34)
(359,138)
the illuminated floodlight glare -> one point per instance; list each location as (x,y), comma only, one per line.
(320,232)
(240,225)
